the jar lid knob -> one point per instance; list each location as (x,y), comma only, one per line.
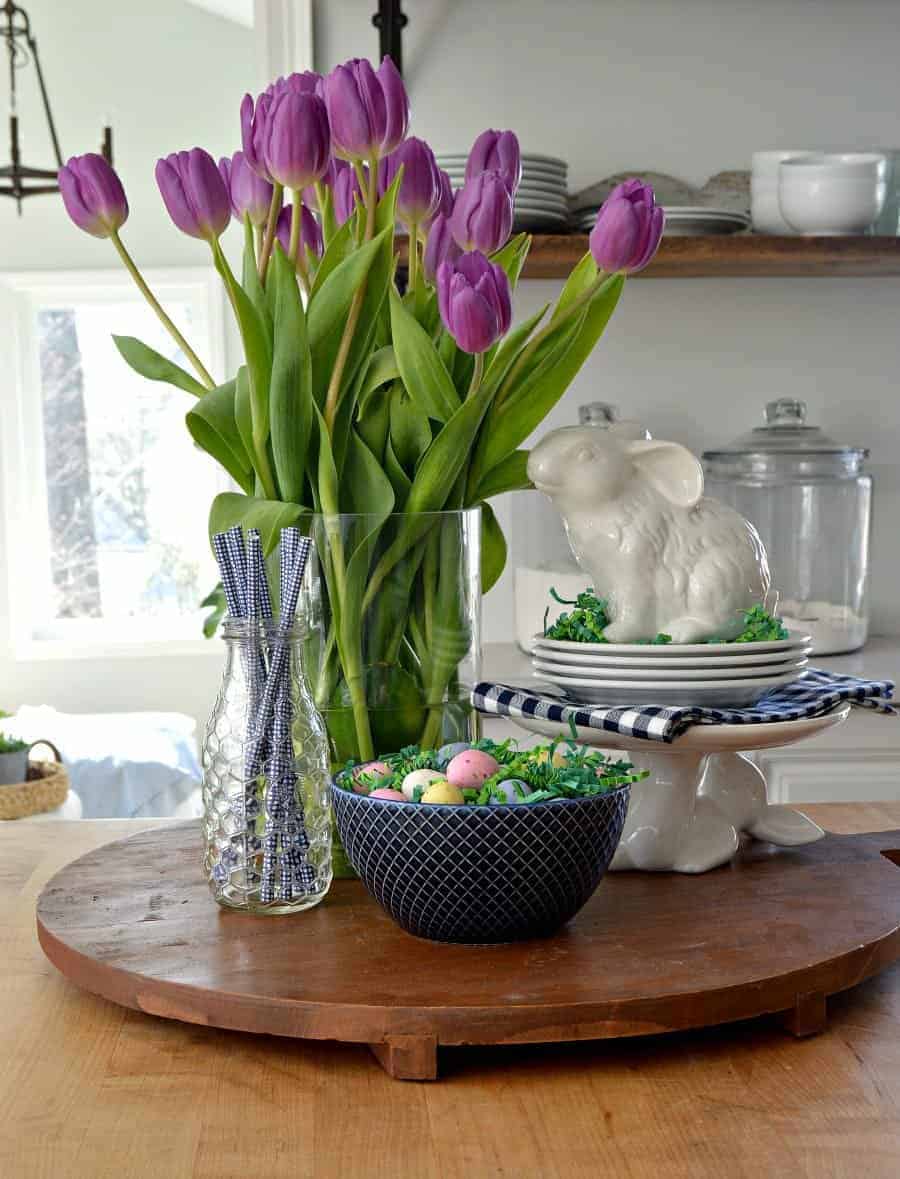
(786,411)
(597,413)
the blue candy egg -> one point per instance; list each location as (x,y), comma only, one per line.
(446,753)
(509,789)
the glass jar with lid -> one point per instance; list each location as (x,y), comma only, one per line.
(811,501)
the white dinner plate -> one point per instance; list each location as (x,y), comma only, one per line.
(564,671)
(700,693)
(594,658)
(675,650)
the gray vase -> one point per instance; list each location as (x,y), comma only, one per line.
(13,767)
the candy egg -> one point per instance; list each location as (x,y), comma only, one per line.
(446,753)
(371,771)
(559,759)
(419,778)
(387,793)
(508,788)
(469,769)
(443,792)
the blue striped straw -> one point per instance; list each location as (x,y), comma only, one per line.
(230,582)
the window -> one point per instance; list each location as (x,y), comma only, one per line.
(106,498)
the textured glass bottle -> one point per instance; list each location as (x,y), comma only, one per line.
(266,802)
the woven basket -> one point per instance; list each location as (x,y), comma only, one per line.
(45,790)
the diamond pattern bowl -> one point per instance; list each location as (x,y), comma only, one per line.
(481,874)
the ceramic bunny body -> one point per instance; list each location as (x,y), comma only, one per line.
(667,559)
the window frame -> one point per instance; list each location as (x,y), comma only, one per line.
(22,452)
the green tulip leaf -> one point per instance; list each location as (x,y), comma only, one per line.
(152,365)
(242,413)
(581,278)
(509,475)
(250,278)
(510,347)
(269,516)
(512,257)
(212,425)
(329,309)
(493,549)
(410,431)
(539,388)
(290,396)
(340,246)
(382,368)
(400,481)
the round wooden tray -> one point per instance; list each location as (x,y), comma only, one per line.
(774,931)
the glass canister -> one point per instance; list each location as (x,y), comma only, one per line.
(266,800)
(811,501)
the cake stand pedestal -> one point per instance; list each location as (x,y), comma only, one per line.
(702,793)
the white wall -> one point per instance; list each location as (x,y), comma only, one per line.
(685,86)
(688,87)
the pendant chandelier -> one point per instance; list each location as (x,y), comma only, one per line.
(17,180)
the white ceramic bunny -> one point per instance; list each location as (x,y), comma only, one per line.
(666,559)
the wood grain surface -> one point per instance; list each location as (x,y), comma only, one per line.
(742,255)
(91,1089)
(650,951)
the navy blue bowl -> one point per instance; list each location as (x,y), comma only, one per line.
(481,874)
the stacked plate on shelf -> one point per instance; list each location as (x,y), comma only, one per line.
(714,675)
(542,200)
(681,220)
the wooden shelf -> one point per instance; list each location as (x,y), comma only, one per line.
(744,255)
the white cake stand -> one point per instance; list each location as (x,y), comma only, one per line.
(702,792)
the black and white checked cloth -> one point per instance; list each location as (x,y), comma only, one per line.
(818,693)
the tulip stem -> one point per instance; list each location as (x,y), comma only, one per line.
(295,246)
(271,225)
(340,361)
(477,374)
(167,323)
(413,230)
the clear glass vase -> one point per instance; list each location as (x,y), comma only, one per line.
(395,629)
(266,779)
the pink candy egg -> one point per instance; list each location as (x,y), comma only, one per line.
(386,792)
(371,770)
(469,769)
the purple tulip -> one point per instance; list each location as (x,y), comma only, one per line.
(247,192)
(628,228)
(420,188)
(474,301)
(295,145)
(368,110)
(93,195)
(308,82)
(445,204)
(255,115)
(496,151)
(439,246)
(310,233)
(345,191)
(194,193)
(483,213)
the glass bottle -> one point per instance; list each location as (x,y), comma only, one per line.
(266,802)
(811,501)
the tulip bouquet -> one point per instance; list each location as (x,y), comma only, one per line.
(358,402)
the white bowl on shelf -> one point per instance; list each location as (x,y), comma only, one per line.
(561,671)
(735,693)
(831,194)
(765,212)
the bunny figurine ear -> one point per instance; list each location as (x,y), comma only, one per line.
(671,469)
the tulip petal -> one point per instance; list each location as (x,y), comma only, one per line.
(396,102)
(475,325)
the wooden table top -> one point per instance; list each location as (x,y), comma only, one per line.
(90,1090)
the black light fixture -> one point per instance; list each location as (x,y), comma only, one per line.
(16,179)
(390,20)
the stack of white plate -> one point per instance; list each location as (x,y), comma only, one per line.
(541,202)
(681,221)
(715,675)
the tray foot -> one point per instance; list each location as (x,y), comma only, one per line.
(408,1058)
(807,1017)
